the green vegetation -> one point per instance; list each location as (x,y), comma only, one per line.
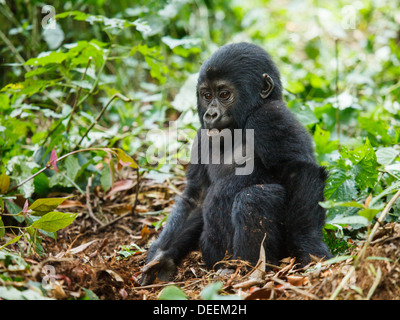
(82,97)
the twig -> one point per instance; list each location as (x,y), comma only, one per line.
(48,165)
(375,284)
(89,206)
(29,178)
(159,285)
(295,289)
(137,191)
(342,283)
(117,95)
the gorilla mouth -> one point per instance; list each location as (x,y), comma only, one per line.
(213,132)
(216,132)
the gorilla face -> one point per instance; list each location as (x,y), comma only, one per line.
(216,99)
(234,82)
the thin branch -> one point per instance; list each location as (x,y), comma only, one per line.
(89,206)
(117,95)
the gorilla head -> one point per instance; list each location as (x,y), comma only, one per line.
(233,82)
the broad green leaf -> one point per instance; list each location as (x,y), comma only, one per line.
(331,204)
(322,143)
(364,168)
(53,221)
(42,206)
(366,172)
(77,15)
(369,213)
(172,293)
(72,167)
(4,183)
(46,58)
(211,293)
(302,112)
(340,186)
(386,156)
(376,128)
(350,220)
(125,160)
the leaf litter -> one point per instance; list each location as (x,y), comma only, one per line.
(103,257)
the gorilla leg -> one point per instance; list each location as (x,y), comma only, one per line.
(257,211)
(304,218)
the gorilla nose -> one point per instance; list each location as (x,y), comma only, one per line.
(212,115)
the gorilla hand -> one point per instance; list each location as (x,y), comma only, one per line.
(162,266)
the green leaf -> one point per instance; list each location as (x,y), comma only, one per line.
(211,292)
(72,167)
(331,204)
(89,295)
(349,220)
(45,205)
(46,58)
(302,112)
(322,143)
(4,183)
(172,293)
(124,159)
(53,221)
(13,240)
(369,213)
(340,186)
(364,164)
(386,156)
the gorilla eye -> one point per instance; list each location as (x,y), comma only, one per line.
(224,94)
(207,96)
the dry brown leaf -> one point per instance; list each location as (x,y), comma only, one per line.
(81,247)
(297,280)
(145,232)
(120,185)
(71,204)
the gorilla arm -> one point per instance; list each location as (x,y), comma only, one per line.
(182,231)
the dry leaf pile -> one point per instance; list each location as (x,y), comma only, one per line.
(87,255)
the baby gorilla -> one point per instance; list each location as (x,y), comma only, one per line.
(226,211)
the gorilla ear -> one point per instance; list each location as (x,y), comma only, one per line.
(268,86)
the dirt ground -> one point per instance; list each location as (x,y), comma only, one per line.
(87,255)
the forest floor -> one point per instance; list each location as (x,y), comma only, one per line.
(107,258)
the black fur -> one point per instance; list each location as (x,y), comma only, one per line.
(226,213)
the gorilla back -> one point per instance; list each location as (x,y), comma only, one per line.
(226,213)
